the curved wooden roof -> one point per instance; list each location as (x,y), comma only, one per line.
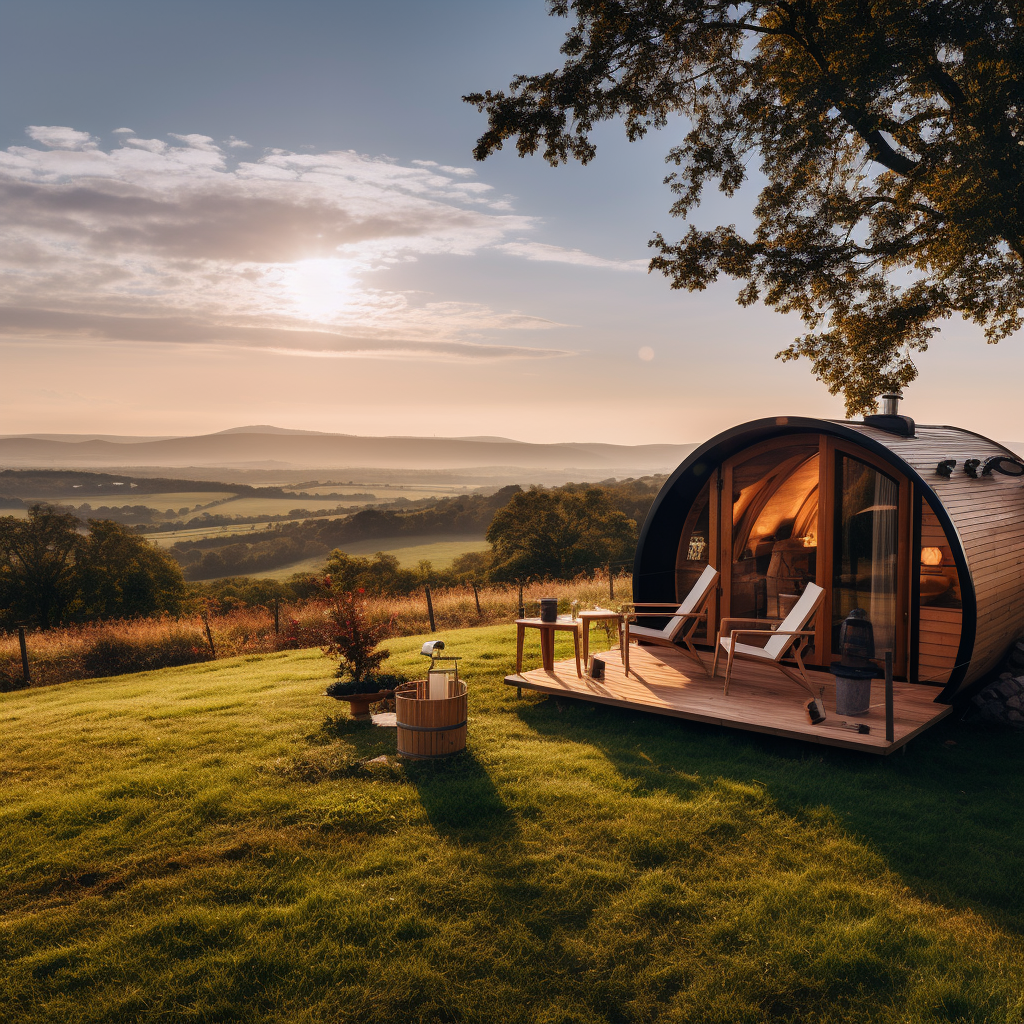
(983,519)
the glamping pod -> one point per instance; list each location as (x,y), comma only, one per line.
(922,527)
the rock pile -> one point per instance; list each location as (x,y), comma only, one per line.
(1003,700)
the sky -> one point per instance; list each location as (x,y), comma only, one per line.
(235,212)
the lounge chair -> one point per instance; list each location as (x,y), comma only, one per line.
(790,632)
(689,614)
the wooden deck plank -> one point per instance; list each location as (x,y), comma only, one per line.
(665,682)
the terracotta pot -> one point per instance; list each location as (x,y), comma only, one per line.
(359,703)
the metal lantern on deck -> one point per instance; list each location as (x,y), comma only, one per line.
(854,670)
(856,640)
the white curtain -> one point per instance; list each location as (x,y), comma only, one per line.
(884,530)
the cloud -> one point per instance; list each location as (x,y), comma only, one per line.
(236,143)
(291,339)
(124,131)
(57,137)
(182,242)
(556,254)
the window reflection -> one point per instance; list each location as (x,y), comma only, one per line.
(775,528)
(694,548)
(867,524)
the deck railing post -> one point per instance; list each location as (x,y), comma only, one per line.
(890,731)
(26,678)
(430,609)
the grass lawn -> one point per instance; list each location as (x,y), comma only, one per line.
(210,844)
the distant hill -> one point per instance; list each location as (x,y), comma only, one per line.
(274,447)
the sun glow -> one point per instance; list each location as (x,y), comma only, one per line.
(320,289)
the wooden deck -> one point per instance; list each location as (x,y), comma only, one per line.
(761,699)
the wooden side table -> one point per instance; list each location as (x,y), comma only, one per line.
(547,641)
(597,615)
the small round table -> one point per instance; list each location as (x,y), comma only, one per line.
(547,640)
(598,615)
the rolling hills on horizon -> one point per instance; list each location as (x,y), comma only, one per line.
(281,448)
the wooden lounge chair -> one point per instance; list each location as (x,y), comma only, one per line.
(790,632)
(689,614)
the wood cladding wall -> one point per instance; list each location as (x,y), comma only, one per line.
(939,623)
(988,521)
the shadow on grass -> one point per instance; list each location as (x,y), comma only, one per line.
(460,799)
(457,794)
(948,816)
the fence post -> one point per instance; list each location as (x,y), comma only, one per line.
(522,609)
(430,609)
(25,676)
(209,635)
(890,731)
(476,597)
(611,584)
(277,616)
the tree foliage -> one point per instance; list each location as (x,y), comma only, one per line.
(50,573)
(122,575)
(558,534)
(37,565)
(352,637)
(889,133)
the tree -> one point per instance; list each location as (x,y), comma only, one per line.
(889,132)
(120,574)
(51,573)
(37,565)
(381,575)
(558,534)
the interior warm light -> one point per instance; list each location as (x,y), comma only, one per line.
(931,556)
(810,541)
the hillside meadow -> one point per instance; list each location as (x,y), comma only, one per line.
(440,550)
(88,650)
(220,843)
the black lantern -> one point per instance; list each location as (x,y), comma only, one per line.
(856,640)
(854,670)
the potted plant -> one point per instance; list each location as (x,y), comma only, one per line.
(353,639)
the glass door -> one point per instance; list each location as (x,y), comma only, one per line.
(865,565)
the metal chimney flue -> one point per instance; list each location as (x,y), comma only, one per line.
(891,404)
(889,419)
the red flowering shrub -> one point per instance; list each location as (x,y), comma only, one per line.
(351,637)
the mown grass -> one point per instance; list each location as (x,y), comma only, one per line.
(211,843)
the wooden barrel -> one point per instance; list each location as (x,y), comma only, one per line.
(431,728)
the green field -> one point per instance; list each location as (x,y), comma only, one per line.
(218,843)
(161,502)
(248,530)
(440,550)
(383,493)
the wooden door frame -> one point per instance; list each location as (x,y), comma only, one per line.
(721,538)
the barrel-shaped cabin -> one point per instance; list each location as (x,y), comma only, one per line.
(922,527)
